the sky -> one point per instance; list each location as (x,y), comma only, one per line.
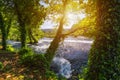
(72,17)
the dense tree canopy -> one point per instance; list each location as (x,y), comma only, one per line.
(6,13)
(30,16)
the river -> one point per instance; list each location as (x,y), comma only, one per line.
(73,49)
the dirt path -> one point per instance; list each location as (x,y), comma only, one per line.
(10,66)
(13,70)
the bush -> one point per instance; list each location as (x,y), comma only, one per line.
(36,62)
(82,75)
(50,75)
(25,51)
(29,58)
(10,48)
(1,65)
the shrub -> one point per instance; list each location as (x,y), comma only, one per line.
(50,75)
(37,62)
(29,58)
(1,65)
(26,50)
(82,75)
(10,48)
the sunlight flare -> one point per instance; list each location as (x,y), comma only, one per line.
(73,17)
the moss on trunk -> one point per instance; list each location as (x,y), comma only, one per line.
(104,57)
(3,30)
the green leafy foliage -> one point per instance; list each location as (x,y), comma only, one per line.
(29,58)
(5,20)
(26,50)
(10,48)
(50,75)
(36,61)
(1,65)
(83,74)
(86,27)
(104,57)
(14,33)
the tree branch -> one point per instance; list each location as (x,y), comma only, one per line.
(71,31)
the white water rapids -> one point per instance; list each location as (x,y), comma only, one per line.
(74,50)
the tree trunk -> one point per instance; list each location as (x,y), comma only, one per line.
(22,26)
(3,30)
(8,27)
(104,57)
(31,37)
(23,35)
(55,43)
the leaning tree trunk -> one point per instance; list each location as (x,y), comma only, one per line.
(104,58)
(55,43)
(3,30)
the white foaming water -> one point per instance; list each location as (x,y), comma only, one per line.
(70,49)
(76,41)
(10,42)
(63,66)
